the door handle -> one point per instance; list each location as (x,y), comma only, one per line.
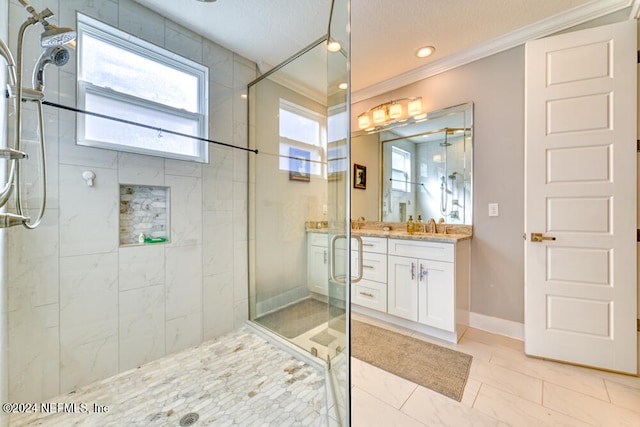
(538,237)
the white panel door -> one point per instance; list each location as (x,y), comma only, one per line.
(580,188)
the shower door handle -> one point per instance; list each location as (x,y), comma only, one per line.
(360,260)
(332,270)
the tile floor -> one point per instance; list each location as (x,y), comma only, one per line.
(239,379)
(505,388)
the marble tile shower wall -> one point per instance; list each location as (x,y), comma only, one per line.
(83,308)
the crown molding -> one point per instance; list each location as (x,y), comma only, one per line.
(545,27)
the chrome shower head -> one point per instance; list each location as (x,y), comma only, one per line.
(57,55)
(56,36)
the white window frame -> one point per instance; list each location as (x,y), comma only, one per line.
(122,40)
(395,185)
(318,149)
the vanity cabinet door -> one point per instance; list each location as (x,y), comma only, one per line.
(402,290)
(318,269)
(436,303)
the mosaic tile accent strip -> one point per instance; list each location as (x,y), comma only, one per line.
(236,380)
(143,210)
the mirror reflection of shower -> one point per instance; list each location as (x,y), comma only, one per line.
(53,40)
(448,188)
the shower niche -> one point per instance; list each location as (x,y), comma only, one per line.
(144,214)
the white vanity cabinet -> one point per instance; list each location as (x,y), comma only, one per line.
(371,291)
(422,289)
(420,284)
(426,287)
(318,263)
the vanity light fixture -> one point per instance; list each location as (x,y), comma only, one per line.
(425,51)
(394,111)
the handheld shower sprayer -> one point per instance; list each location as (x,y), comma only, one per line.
(56,55)
(52,39)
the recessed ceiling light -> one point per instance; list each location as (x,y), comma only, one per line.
(333,46)
(425,51)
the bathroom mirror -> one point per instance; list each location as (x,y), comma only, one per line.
(425,169)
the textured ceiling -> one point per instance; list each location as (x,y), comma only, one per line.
(385,33)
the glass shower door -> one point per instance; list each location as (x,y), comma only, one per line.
(299,206)
(339,179)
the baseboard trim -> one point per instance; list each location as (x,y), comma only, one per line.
(496,325)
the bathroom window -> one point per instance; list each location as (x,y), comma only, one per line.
(302,133)
(127,78)
(400,169)
(338,126)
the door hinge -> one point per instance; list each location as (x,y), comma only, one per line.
(637,235)
(639,57)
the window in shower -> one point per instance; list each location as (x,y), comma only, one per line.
(400,169)
(127,78)
(337,160)
(302,131)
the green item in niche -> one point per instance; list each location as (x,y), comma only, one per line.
(154,240)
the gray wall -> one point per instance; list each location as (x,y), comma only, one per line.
(496,87)
(81,306)
(364,202)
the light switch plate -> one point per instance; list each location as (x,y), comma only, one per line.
(493,209)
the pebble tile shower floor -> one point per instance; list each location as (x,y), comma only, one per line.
(237,380)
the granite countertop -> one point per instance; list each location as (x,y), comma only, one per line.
(397,234)
(455,233)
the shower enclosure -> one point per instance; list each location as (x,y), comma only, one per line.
(299,203)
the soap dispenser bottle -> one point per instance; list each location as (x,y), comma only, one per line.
(410,225)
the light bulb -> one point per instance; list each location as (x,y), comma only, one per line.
(363,121)
(333,46)
(395,111)
(425,51)
(415,107)
(379,115)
